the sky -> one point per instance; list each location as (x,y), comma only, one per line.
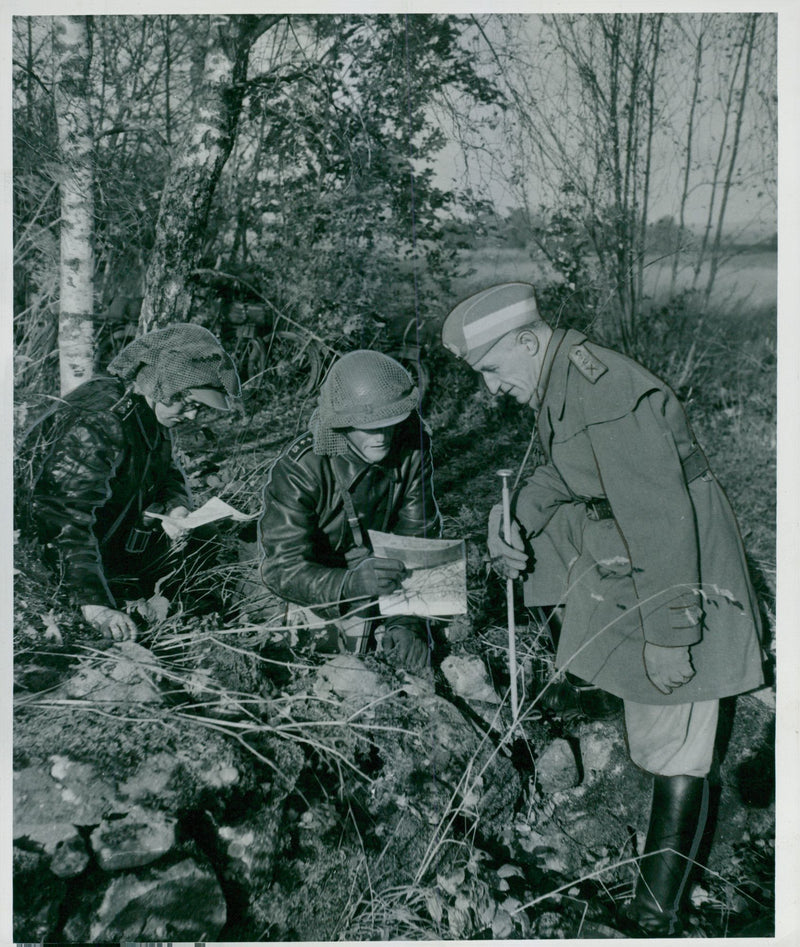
(554,96)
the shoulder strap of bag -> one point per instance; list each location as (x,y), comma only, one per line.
(360,550)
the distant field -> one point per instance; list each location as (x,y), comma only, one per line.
(749,280)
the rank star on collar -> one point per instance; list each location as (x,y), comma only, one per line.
(586,363)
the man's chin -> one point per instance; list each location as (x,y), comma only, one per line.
(371,456)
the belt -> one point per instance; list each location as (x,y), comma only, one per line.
(694,465)
(598,508)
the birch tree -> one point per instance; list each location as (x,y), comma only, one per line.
(220,86)
(725,166)
(76,304)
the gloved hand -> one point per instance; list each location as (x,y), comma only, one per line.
(373,577)
(112,623)
(507,561)
(667,668)
(404,647)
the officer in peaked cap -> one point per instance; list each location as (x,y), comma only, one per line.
(627,528)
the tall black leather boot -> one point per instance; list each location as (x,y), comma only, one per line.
(677,820)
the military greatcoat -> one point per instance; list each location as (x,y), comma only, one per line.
(631,531)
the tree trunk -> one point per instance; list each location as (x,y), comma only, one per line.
(649,136)
(729,116)
(76,308)
(687,168)
(196,168)
(748,41)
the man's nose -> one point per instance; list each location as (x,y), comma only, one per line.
(492,384)
(191,412)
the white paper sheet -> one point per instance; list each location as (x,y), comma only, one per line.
(213,509)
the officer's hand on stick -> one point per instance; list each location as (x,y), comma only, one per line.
(112,623)
(374,577)
(507,561)
(667,668)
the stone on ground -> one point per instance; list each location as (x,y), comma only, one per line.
(557,768)
(137,839)
(182,902)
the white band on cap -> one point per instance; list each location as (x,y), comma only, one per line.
(498,323)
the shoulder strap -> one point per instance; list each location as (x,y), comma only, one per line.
(349,509)
(588,365)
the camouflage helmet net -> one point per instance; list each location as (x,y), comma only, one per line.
(365,390)
(168,361)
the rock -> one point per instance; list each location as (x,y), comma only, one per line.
(38,896)
(48,805)
(550,849)
(220,776)
(125,673)
(152,777)
(237,844)
(313,894)
(137,839)
(603,749)
(423,762)
(70,857)
(468,677)
(556,767)
(347,676)
(245,859)
(183,902)
(170,780)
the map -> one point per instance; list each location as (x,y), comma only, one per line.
(436,585)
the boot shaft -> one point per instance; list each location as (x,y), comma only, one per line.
(677,821)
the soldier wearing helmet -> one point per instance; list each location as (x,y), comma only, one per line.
(104,463)
(627,528)
(365,463)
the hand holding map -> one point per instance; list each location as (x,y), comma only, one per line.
(214,509)
(436,585)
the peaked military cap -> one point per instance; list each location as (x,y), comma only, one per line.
(480,320)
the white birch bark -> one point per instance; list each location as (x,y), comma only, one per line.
(76,304)
(196,167)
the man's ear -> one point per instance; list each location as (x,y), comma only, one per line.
(529,340)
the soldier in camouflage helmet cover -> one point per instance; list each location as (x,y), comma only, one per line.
(365,463)
(106,459)
(627,528)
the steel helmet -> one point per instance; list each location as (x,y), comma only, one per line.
(364,389)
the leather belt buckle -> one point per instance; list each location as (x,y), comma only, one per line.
(598,508)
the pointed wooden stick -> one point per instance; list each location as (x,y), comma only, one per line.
(512,628)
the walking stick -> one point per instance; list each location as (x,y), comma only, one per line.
(512,628)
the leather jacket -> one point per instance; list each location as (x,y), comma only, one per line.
(304,533)
(104,459)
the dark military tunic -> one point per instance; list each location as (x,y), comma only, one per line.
(304,531)
(660,548)
(105,459)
